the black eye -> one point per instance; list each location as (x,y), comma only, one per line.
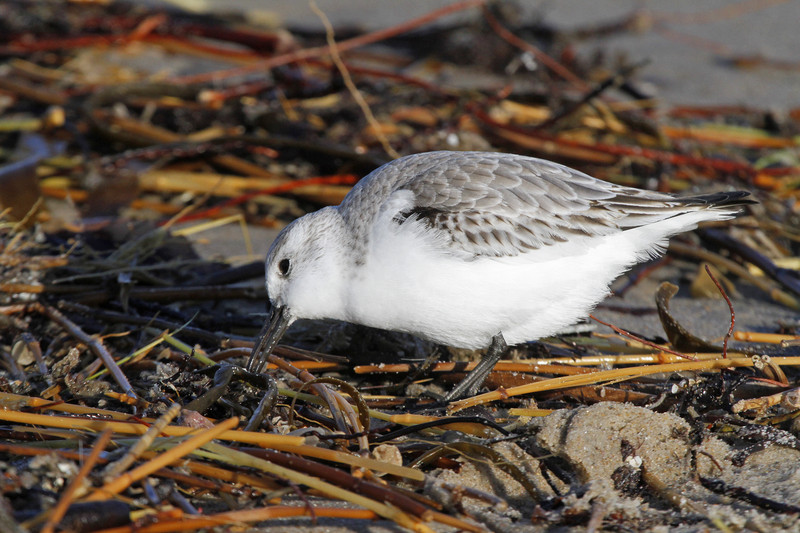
(283,267)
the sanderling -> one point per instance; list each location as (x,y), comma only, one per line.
(471,249)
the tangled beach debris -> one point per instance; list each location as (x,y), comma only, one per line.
(129,133)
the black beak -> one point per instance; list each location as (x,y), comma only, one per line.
(270,334)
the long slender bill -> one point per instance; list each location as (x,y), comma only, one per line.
(271,333)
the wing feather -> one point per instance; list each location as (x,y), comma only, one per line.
(490,204)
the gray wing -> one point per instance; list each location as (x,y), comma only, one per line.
(494,204)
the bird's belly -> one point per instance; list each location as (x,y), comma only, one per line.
(464,304)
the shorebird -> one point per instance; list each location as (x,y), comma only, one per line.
(471,250)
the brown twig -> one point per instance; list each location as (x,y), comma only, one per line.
(61,507)
(543,58)
(501,366)
(348,44)
(336,403)
(787,278)
(717,260)
(87,423)
(94,343)
(345,480)
(32,92)
(227,518)
(344,179)
(217,474)
(348,81)
(611,81)
(730,306)
(242,459)
(616,374)
(643,341)
(116,468)
(121,482)
(604,153)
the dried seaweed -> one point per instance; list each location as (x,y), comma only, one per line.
(124,408)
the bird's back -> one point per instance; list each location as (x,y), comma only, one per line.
(497,204)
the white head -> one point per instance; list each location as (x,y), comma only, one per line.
(304,273)
(304,266)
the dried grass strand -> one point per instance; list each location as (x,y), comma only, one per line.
(186,447)
(618,374)
(73,489)
(348,81)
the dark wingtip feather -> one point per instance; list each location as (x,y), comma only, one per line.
(719,199)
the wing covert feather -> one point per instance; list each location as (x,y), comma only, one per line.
(490,204)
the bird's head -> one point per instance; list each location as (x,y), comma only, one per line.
(304,272)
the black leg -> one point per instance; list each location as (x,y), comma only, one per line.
(475,379)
